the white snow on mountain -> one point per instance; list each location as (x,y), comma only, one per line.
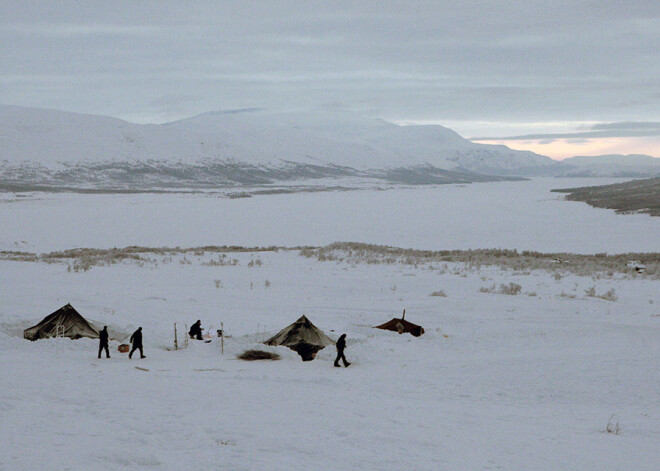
(255,146)
(35,139)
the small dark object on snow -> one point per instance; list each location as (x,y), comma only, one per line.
(402,326)
(251,355)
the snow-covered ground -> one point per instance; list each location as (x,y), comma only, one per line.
(522,215)
(497,381)
(527,381)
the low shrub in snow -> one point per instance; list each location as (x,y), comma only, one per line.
(597,265)
(84,259)
(511,289)
(222,261)
(439,293)
(612,426)
(578,264)
(608,296)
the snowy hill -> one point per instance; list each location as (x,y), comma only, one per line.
(614,165)
(48,147)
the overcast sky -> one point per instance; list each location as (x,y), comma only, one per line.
(538,71)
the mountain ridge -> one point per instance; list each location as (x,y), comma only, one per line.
(52,136)
(251,146)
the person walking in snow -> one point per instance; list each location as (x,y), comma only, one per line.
(196,330)
(341,345)
(103,342)
(136,340)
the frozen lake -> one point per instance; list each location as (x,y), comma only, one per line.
(521,215)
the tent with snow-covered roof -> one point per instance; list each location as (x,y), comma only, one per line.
(65,322)
(402,326)
(302,337)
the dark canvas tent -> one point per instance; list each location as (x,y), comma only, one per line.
(302,337)
(401,326)
(65,322)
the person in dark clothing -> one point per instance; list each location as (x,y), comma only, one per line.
(196,330)
(136,340)
(341,345)
(103,342)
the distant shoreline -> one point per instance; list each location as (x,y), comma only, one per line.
(637,196)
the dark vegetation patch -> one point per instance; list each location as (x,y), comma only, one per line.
(209,174)
(83,259)
(637,196)
(252,355)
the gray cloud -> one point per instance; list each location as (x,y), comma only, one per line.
(627,126)
(453,60)
(71,30)
(600,130)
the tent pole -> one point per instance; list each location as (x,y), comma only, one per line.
(176,344)
(222,338)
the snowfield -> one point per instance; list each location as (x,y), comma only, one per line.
(498,381)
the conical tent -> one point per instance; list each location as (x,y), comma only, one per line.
(302,337)
(402,326)
(65,322)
